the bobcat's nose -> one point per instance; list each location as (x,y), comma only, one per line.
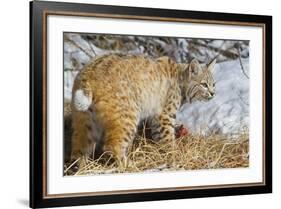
(211,95)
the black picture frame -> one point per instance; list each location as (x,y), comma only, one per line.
(39,10)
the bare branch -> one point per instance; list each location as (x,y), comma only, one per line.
(242,99)
(76,45)
(93,50)
(241,64)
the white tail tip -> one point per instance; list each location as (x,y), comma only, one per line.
(81,101)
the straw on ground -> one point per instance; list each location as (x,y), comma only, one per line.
(189,152)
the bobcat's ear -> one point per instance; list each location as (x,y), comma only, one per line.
(194,68)
(183,67)
(211,65)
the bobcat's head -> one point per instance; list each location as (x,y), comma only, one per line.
(197,81)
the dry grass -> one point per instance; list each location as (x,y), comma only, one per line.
(190,152)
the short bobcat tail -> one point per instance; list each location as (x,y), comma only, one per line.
(82,99)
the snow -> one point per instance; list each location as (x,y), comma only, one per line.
(74,57)
(69,77)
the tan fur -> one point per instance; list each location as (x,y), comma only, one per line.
(114,93)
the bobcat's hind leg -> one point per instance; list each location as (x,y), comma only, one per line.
(119,135)
(83,140)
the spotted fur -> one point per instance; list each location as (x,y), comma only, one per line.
(114,93)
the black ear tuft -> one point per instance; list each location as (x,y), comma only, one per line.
(212,64)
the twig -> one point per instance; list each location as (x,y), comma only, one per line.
(92,48)
(241,64)
(214,163)
(241,98)
(65,171)
(76,45)
(219,51)
(224,52)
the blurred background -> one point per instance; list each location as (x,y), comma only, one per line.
(227,113)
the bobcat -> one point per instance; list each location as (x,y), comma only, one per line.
(114,93)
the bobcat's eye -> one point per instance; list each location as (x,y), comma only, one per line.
(204,85)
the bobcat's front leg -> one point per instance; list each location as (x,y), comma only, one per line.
(163,125)
(163,128)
